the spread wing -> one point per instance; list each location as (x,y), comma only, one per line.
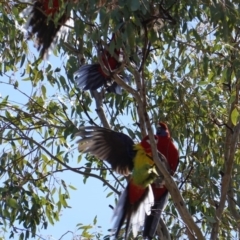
(47,31)
(114,147)
(89,77)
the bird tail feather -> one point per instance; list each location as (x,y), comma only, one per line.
(152,220)
(133,213)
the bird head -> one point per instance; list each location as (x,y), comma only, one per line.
(162,130)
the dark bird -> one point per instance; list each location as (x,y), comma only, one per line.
(92,76)
(47,20)
(125,158)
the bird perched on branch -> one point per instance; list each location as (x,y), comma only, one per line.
(93,76)
(166,147)
(48,20)
(125,157)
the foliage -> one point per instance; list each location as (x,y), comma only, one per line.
(183,58)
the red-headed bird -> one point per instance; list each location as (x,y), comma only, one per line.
(169,150)
(92,76)
(125,157)
(47,21)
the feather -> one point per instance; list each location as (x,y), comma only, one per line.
(166,147)
(133,213)
(125,157)
(46,30)
(148,201)
(144,209)
(151,222)
(119,209)
(91,77)
(114,147)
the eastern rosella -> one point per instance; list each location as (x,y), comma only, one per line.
(92,76)
(125,157)
(169,150)
(43,22)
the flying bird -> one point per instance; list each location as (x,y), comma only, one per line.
(48,21)
(92,76)
(126,158)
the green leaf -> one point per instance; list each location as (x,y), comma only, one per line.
(12,203)
(95,220)
(21,237)
(109,194)
(235,116)
(210,219)
(134,4)
(44,91)
(72,187)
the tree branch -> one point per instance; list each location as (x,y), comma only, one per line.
(231,141)
(172,187)
(39,144)
(226,180)
(162,231)
(99,108)
(232,204)
(170,184)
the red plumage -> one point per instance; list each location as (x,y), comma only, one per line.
(160,192)
(166,146)
(50,8)
(92,76)
(135,192)
(125,157)
(43,24)
(110,62)
(137,199)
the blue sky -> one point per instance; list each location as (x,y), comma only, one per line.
(86,202)
(89,200)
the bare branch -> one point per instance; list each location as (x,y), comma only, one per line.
(98,96)
(65,234)
(40,145)
(162,231)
